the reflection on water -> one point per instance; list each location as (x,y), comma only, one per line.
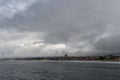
(53,70)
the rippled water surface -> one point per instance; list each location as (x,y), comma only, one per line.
(54,70)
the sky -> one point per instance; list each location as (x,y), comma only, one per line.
(30,28)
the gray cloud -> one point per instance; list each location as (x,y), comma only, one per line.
(79,27)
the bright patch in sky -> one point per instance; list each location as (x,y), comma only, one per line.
(10,7)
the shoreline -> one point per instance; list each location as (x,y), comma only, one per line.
(68,61)
(61,60)
(69,58)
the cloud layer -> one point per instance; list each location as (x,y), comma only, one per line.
(58,27)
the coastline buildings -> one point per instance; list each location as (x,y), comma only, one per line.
(66,57)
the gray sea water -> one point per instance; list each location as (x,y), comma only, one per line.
(59,70)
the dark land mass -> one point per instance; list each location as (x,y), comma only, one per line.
(66,57)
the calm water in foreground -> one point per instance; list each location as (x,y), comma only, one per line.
(54,70)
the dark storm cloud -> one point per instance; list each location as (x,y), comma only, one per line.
(83,26)
(110,43)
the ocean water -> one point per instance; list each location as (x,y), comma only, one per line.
(59,70)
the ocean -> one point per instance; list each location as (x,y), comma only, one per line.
(58,70)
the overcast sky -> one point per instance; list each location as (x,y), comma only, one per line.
(58,27)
